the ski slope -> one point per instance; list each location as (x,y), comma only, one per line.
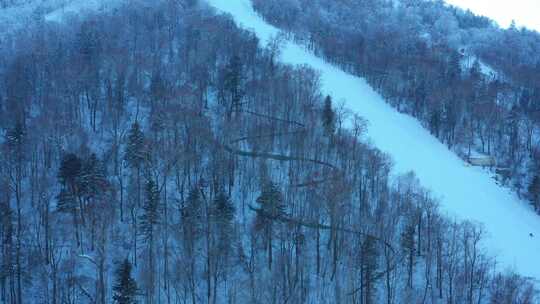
(464,192)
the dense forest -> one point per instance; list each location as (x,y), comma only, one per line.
(472,84)
(158,153)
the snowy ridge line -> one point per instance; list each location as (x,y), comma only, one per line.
(464,192)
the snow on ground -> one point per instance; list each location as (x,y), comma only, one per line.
(465,192)
(468,61)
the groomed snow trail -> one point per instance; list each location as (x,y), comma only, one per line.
(464,192)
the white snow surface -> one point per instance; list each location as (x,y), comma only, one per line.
(523,12)
(468,61)
(466,193)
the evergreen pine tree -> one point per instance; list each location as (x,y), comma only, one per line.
(69,198)
(148,221)
(435,121)
(69,176)
(125,288)
(272,207)
(136,153)
(93,177)
(192,210)
(150,216)
(192,215)
(222,216)
(328,118)
(70,170)
(534,192)
(66,202)
(233,83)
(271,200)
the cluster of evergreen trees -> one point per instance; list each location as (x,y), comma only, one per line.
(159,154)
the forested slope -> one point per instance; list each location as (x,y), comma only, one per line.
(465,192)
(427,60)
(160,153)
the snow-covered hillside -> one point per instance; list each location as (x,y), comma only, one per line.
(523,12)
(19,14)
(464,192)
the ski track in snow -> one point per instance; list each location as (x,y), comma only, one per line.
(464,192)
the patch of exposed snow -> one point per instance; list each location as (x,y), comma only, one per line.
(468,61)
